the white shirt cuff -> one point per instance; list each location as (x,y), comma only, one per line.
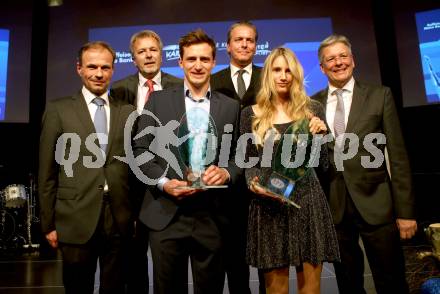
(162,182)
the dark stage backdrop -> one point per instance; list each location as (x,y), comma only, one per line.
(418,44)
(70,25)
(383,34)
(17,148)
(373,26)
(15,55)
(420,115)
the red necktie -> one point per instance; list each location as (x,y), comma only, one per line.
(149,84)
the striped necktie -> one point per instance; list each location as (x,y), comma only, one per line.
(339,120)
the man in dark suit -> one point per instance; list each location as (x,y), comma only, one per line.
(83,190)
(240,80)
(184,221)
(364,199)
(146,49)
(242,44)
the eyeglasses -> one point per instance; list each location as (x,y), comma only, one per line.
(333,59)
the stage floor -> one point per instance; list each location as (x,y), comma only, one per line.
(40,273)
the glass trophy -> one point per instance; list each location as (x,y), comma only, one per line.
(200,147)
(290,162)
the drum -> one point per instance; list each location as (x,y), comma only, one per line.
(14,196)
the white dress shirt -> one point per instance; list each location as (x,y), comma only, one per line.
(89,96)
(332,101)
(143,89)
(246,75)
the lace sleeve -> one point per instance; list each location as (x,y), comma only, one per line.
(250,149)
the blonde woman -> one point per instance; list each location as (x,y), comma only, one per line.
(279,235)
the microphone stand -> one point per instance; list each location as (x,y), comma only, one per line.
(30,215)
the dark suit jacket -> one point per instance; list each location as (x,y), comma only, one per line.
(222,82)
(158,208)
(72,205)
(378,199)
(126,89)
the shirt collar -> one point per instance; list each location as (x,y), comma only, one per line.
(349,86)
(89,96)
(188,93)
(247,68)
(157,79)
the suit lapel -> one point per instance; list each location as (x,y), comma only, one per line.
(132,88)
(250,97)
(214,108)
(253,81)
(82,111)
(115,109)
(164,80)
(215,111)
(178,102)
(357,106)
(322,97)
(229,83)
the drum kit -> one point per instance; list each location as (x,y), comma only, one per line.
(17,215)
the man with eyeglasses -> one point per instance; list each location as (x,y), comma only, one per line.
(365,202)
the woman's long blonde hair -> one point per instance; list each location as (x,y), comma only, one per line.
(299,103)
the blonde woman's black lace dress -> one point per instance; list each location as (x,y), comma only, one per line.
(281,235)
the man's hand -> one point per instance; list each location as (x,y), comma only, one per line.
(52,238)
(215,175)
(317,126)
(407,227)
(172,188)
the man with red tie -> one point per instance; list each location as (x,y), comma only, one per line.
(146,49)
